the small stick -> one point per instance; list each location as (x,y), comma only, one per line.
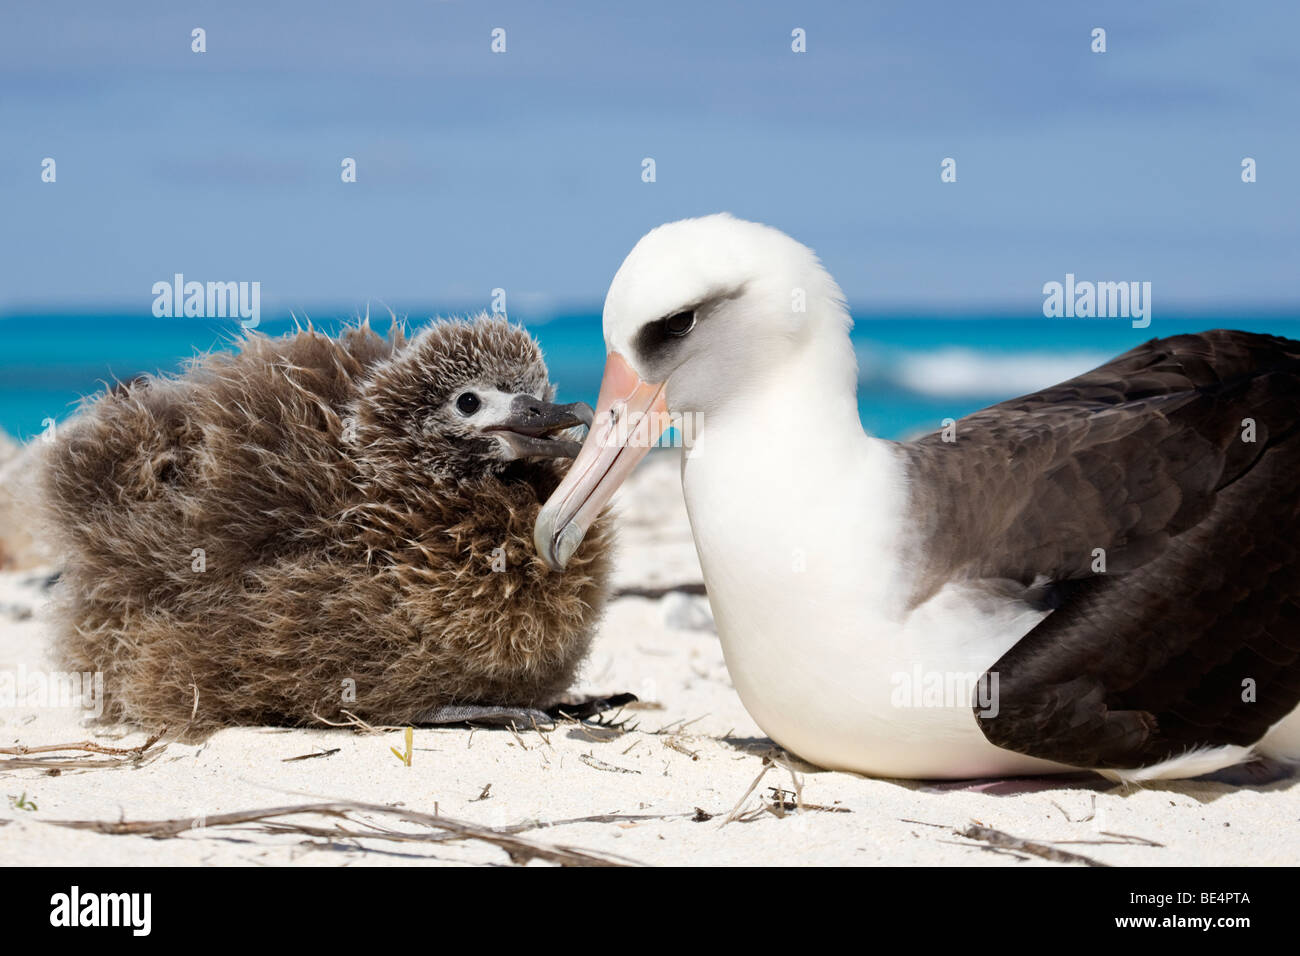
(1122,839)
(511,727)
(679,729)
(1005,841)
(356,723)
(319,753)
(545,739)
(519,850)
(989,849)
(778,798)
(56,765)
(672,743)
(89,746)
(767,765)
(597,764)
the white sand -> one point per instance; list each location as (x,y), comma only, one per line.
(694,747)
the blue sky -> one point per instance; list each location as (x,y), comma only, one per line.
(522,170)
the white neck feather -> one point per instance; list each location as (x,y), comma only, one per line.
(801,525)
(784,476)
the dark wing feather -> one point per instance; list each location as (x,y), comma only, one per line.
(1143,458)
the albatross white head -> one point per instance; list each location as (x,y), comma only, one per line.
(702,314)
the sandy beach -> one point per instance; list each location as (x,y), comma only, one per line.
(683,777)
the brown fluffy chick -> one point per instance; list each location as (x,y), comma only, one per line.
(314,524)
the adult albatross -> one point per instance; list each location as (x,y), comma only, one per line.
(1103,574)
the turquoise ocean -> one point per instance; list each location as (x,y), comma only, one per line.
(914,369)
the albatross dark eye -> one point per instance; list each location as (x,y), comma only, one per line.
(681,323)
(468,403)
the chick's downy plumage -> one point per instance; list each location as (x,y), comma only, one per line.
(313,524)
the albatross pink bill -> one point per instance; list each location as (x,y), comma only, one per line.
(630,417)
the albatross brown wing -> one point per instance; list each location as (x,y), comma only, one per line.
(1153,503)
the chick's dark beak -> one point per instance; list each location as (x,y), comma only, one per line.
(531,427)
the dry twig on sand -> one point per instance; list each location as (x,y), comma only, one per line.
(88,746)
(998,840)
(320,753)
(597,764)
(735,811)
(56,760)
(519,849)
(357,724)
(791,801)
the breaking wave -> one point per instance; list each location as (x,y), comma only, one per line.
(955,372)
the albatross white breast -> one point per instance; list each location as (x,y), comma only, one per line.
(938,609)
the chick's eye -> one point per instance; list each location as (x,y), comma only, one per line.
(468,403)
(681,323)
